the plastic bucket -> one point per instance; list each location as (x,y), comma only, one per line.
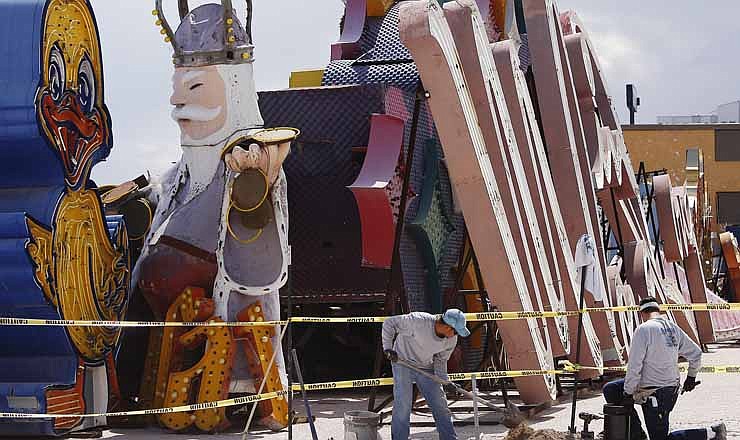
(361,425)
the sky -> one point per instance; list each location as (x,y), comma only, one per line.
(681,54)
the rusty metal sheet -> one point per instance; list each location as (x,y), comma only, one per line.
(372,190)
(601,129)
(426,33)
(674,247)
(622,295)
(563,136)
(486,91)
(732,258)
(697,290)
(348,47)
(679,245)
(598,140)
(611,169)
(642,272)
(643,283)
(692,263)
(544,196)
(727,324)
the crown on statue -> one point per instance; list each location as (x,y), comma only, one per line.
(208,35)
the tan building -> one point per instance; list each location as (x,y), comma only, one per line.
(678,149)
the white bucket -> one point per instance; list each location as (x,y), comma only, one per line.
(361,425)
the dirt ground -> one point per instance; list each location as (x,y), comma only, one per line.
(716,399)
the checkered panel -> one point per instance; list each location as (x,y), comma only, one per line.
(326,239)
(325,228)
(380,39)
(381,42)
(332,122)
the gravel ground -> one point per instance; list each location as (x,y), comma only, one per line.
(716,399)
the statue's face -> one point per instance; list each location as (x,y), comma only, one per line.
(199,97)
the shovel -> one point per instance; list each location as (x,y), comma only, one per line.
(512,417)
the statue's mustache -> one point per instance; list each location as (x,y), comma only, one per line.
(195,112)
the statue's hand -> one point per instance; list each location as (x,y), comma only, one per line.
(269,159)
(239,159)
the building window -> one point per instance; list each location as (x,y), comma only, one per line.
(728,208)
(692,159)
(727,144)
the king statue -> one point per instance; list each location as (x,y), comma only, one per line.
(217,248)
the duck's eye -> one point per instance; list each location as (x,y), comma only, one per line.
(57,74)
(195,86)
(86,85)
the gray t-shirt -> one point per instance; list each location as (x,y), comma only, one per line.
(412,336)
(654,351)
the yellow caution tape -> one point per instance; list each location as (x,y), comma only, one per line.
(505,316)
(701,307)
(500,374)
(360,383)
(481,316)
(572,368)
(355,320)
(682,367)
(718,369)
(73,323)
(569,368)
(175,409)
(502,316)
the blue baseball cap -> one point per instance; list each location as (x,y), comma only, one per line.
(456,319)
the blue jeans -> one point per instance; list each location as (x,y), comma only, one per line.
(403,380)
(656,414)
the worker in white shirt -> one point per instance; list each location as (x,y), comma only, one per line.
(653,379)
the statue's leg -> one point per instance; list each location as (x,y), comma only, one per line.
(263,357)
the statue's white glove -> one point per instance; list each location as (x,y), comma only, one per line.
(239,159)
(268,159)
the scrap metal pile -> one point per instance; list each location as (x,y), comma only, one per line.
(518,122)
(537,157)
(436,129)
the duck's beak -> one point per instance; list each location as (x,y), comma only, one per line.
(76,134)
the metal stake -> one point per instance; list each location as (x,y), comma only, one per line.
(394,283)
(298,373)
(289,326)
(475,408)
(572,427)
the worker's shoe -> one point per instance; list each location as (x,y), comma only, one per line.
(720,431)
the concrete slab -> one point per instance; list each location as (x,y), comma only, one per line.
(716,399)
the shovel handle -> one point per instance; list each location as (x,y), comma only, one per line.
(441,381)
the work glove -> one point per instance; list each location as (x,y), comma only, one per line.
(451,389)
(689,384)
(627,401)
(391,355)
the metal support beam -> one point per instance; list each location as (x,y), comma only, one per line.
(395,280)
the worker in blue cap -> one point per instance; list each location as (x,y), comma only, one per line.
(426,341)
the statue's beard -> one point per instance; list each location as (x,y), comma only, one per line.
(202,164)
